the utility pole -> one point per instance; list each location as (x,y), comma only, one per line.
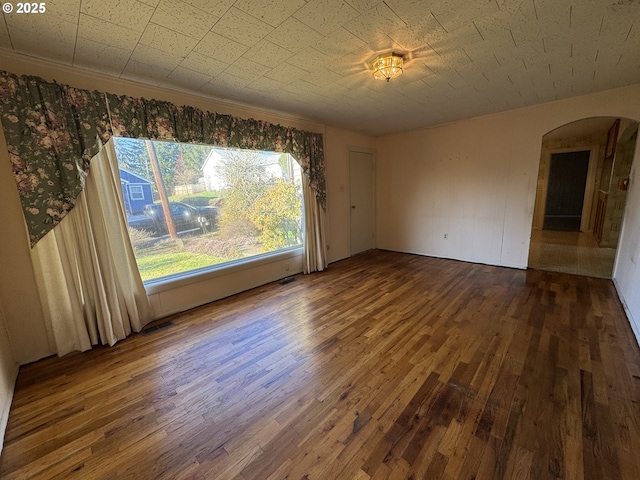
(155,166)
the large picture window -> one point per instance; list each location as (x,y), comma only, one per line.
(208,206)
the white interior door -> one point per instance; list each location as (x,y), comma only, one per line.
(361,195)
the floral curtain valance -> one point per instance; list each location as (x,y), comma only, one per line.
(158,120)
(53,130)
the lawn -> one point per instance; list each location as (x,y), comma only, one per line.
(199,199)
(163,264)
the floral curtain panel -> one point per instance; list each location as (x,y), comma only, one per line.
(53,130)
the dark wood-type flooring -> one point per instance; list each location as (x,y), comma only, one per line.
(387,365)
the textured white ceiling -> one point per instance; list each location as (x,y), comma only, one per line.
(312,58)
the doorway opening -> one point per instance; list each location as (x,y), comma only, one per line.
(581,196)
(566,187)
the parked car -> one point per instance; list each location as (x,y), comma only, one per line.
(185,218)
(141,222)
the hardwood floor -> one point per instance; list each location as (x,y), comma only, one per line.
(385,366)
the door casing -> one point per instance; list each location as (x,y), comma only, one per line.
(588,207)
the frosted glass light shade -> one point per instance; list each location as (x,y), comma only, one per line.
(386,67)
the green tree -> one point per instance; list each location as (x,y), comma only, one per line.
(246,180)
(132,155)
(168,154)
(194,156)
(180,159)
(278,216)
(183,174)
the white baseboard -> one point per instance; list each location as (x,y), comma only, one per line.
(457,259)
(6,408)
(635,325)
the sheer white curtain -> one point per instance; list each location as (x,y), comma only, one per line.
(89,285)
(315,245)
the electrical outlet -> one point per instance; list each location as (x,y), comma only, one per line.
(446,235)
(286,267)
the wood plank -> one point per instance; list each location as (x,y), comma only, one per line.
(386,365)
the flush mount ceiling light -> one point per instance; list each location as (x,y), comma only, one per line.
(386,67)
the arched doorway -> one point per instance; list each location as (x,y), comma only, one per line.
(581,195)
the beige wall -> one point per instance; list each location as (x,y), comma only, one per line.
(8,373)
(467,180)
(626,274)
(18,292)
(616,201)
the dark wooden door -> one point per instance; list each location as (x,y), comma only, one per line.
(565,190)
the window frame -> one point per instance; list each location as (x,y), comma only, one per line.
(190,277)
(186,279)
(139,188)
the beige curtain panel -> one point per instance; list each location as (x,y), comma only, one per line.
(89,284)
(315,244)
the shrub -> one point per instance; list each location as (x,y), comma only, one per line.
(229,248)
(196,201)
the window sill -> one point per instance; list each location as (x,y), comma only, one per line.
(203,274)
